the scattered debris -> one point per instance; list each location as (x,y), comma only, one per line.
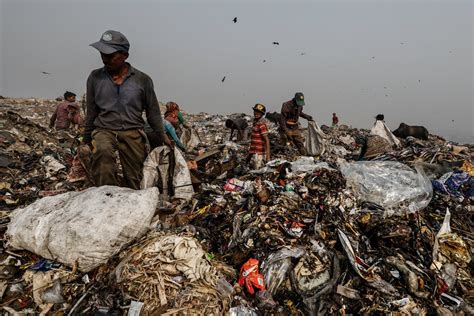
(304,235)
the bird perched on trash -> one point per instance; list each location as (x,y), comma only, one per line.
(223,79)
(235,20)
(45,73)
(276,43)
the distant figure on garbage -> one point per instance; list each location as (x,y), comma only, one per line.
(117,95)
(290,133)
(240,125)
(259,142)
(67,113)
(335,120)
(175,117)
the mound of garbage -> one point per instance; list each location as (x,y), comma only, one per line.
(340,232)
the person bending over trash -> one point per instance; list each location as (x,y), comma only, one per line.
(117,94)
(259,142)
(237,124)
(175,117)
(290,133)
(66,113)
(171,132)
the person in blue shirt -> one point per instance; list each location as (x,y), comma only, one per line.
(170,130)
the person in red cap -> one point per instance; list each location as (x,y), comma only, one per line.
(290,133)
(117,95)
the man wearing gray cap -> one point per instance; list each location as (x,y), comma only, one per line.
(117,95)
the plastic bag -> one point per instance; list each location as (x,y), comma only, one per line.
(452,183)
(251,277)
(389,184)
(449,247)
(224,288)
(276,267)
(307,164)
(380,129)
(315,144)
(236,185)
(190,138)
(242,310)
(86,227)
(53,294)
(156,173)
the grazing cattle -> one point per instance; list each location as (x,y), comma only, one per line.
(404,130)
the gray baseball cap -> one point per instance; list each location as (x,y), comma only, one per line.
(111,42)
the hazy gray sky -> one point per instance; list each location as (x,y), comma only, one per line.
(411,60)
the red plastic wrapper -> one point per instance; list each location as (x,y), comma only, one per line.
(251,277)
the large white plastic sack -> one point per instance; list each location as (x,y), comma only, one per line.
(383,131)
(155,173)
(315,144)
(86,227)
(390,184)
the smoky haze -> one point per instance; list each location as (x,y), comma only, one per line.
(410,60)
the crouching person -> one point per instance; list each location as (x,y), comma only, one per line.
(259,144)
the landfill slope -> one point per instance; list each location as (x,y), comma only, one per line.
(331,234)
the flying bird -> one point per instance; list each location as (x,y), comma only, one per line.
(264,61)
(302,54)
(402,43)
(45,73)
(276,43)
(373,57)
(223,79)
(235,20)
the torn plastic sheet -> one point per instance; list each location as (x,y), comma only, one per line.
(392,185)
(372,278)
(382,130)
(242,310)
(308,164)
(449,247)
(276,267)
